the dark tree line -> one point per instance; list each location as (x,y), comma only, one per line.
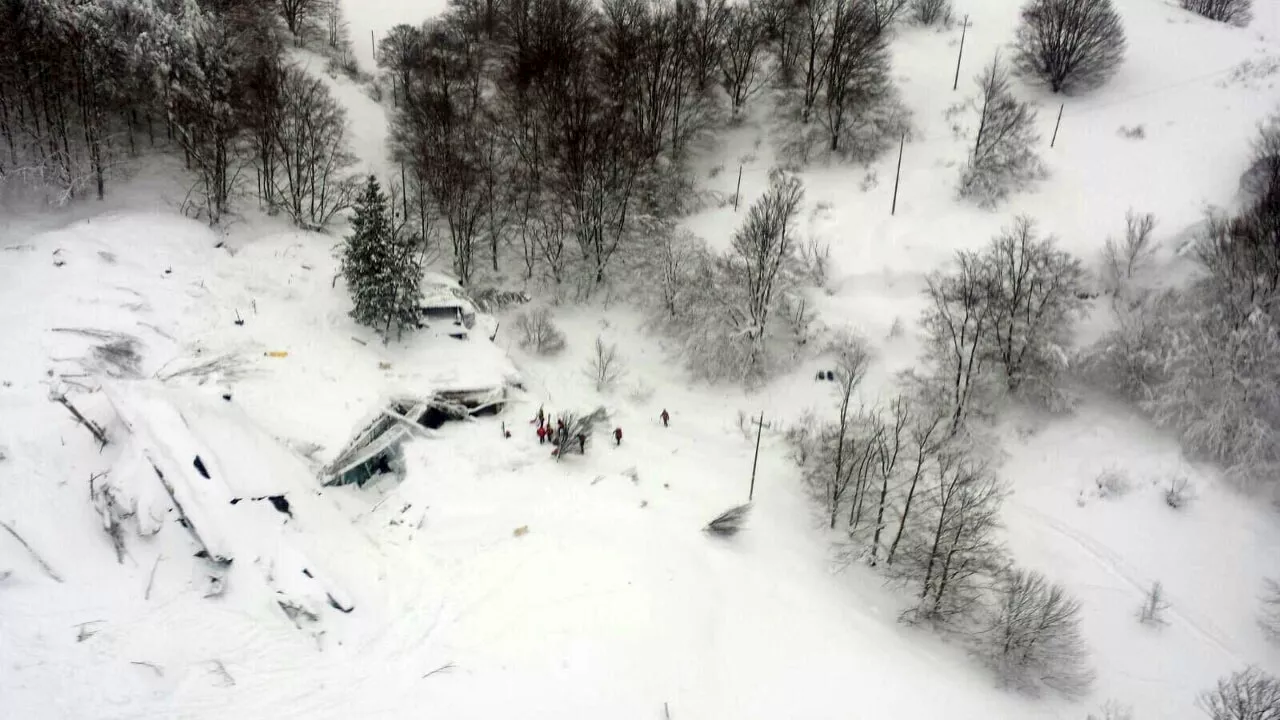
(561,129)
(87,87)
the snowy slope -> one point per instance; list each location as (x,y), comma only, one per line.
(613,602)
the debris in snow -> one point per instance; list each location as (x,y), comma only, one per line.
(280,504)
(239,320)
(729,522)
(221,670)
(96,430)
(111,509)
(521,531)
(360,341)
(151,579)
(336,605)
(156,668)
(295,610)
(200,468)
(443,668)
(226,396)
(217,586)
(84,632)
(34,555)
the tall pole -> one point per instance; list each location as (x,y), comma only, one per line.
(963,29)
(373,47)
(738,190)
(898,176)
(759,428)
(1056,124)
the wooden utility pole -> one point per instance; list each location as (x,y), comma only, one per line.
(738,190)
(759,429)
(1056,124)
(963,30)
(373,46)
(898,176)
(404,194)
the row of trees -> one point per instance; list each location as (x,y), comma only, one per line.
(562,130)
(907,484)
(85,87)
(1200,359)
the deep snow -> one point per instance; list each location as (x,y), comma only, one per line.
(614,602)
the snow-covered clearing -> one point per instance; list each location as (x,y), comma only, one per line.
(611,602)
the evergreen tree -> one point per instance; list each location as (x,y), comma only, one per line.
(381,266)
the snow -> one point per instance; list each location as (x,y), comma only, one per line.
(613,602)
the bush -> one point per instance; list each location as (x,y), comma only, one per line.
(1235,12)
(1175,492)
(1122,259)
(930,12)
(1249,694)
(538,332)
(730,522)
(1113,483)
(605,367)
(1112,710)
(1033,639)
(1003,150)
(1153,606)
(1069,44)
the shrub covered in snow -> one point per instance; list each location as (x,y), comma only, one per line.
(1235,12)
(1070,44)
(1033,638)
(1250,694)
(1004,155)
(538,332)
(1000,318)
(931,12)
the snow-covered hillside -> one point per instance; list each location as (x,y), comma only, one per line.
(496,581)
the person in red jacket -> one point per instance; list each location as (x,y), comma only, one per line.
(617,437)
(542,434)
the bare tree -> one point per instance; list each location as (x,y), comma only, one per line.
(765,245)
(300,16)
(839,448)
(539,333)
(929,12)
(1120,260)
(605,367)
(742,70)
(857,68)
(1003,148)
(1033,638)
(888,448)
(884,12)
(1154,605)
(1035,298)
(926,441)
(311,151)
(1070,44)
(957,325)
(1235,12)
(1249,694)
(953,547)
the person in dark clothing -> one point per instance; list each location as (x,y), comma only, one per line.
(582,443)
(665,417)
(617,437)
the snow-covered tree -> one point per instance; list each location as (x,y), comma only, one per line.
(1235,12)
(742,61)
(765,245)
(1032,637)
(1070,44)
(1249,694)
(1004,156)
(382,266)
(311,151)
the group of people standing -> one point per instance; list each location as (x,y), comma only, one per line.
(556,434)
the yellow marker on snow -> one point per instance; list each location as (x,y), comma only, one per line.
(277,353)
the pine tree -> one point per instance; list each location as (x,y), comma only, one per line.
(381,266)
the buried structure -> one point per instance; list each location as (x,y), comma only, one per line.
(376,448)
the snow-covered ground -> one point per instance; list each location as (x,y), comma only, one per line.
(610,602)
